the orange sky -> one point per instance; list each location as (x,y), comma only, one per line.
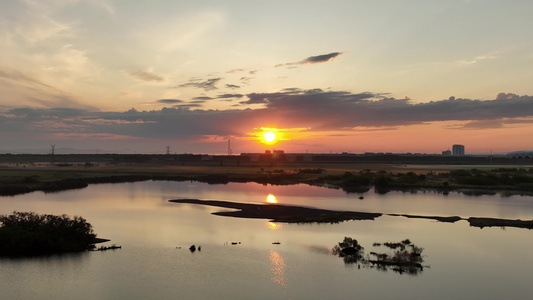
(369,76)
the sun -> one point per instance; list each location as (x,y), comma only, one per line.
(271,199)
(269,137)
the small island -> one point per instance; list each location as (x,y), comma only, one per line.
(32,234)
(298,214)
(282,213)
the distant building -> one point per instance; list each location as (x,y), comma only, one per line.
(458,150)
(278,154)
(447,153)
(527,154)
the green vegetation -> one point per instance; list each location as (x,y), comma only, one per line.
(517,178)
(311,171)
(71,172)
(508,179)
(28,234)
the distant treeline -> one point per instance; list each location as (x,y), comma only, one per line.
(519,179)
(66,159)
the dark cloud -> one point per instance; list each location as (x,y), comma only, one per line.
(482,124)
(291,90)
(245,80)
(169,101)
(320,58)
(313,59)
(182,104)
(333,110)
(202,98)
(492,123)
(207,85)
(226,96)
(292,108)
(508,96)
(188,105)
(198,101)
(45,113)
(232,86)
(145,76)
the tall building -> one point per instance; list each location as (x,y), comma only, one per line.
(458,150)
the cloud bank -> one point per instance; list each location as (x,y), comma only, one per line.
(317,110)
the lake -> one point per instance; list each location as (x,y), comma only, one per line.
(238,259)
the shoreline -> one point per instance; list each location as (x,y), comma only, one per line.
(352,178)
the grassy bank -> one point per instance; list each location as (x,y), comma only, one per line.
(357,178)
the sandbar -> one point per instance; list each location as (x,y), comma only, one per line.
(299,214)
(282,213)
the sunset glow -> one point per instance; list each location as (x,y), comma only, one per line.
(269,137)
(161,75)
(271,199)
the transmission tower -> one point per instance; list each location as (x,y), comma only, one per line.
(52,151)
(229,147)
(168,150)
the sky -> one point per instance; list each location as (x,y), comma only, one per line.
(325,76)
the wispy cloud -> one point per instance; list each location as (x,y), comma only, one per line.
(449,64)
(207,85)
(31,90)
(313,59)
(226,96)
(232,71)
(169,101)
(479,58)
(20,78)
(145,75)
(202,98)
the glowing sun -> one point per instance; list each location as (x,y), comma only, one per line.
(271,199)
(269,137)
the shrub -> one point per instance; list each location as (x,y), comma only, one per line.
(29,233)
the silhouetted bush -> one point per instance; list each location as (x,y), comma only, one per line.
(407,257)
(29,233)
(311,171)
(459,173)
(355,181)
(350,250)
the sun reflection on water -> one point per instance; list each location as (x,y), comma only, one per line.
(274,226)
(278,268)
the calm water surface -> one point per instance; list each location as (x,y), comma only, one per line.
(464,262)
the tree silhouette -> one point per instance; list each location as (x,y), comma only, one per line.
(29,233)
